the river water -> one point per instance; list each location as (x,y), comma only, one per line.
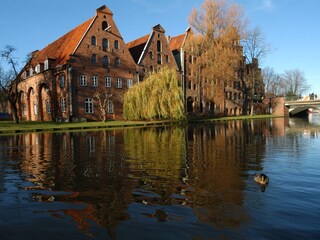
(174,182)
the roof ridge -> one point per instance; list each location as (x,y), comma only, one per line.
(61,48)
(138,41)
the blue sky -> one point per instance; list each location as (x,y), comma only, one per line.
(291,26)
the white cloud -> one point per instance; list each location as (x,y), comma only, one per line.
(268,5)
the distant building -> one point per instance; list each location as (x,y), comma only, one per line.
(60,81)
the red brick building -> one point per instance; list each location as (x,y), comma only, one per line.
(60,81)
(151,52)
(229,97)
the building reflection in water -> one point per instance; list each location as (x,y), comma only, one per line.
(201,167)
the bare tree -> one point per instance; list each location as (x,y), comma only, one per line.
(215,45)
(9,81)
(255,45)
(295,84)
(101,98)
(272,81)
(255,48)
(3,96)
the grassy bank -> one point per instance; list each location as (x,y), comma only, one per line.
(8,127)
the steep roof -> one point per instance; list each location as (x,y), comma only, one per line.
(137,42)
(176,42)
(136,47)
(62,48)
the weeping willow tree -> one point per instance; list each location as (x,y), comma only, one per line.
(159,96)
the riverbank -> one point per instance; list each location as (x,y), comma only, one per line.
(9,127)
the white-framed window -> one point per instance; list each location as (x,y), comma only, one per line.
(63,104)
(30,71)
(108,82)
(83,80)
(62,81)
(38,69)
(109,106)
(46,64)
(129,83)
(118,83)
(88,105)
(48,106)
(94,81)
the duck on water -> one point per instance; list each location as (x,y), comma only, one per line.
(261,179)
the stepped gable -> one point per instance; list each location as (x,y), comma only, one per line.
(61,49)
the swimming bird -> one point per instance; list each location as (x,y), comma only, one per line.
(261,178)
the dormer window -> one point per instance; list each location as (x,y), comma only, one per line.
(25,75)
(30,71)
(46,64)
(38,68)
(93,41)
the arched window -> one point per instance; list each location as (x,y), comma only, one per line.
(159,58)
(116,44)
(105,61)
(158,46)
(117,62)
(105,44)
(94,58)
(93,41)
(104,25)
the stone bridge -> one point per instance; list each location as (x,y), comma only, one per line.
(296,107)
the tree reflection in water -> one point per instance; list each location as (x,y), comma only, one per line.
(110,177)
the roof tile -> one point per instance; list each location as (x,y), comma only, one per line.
(61,49)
